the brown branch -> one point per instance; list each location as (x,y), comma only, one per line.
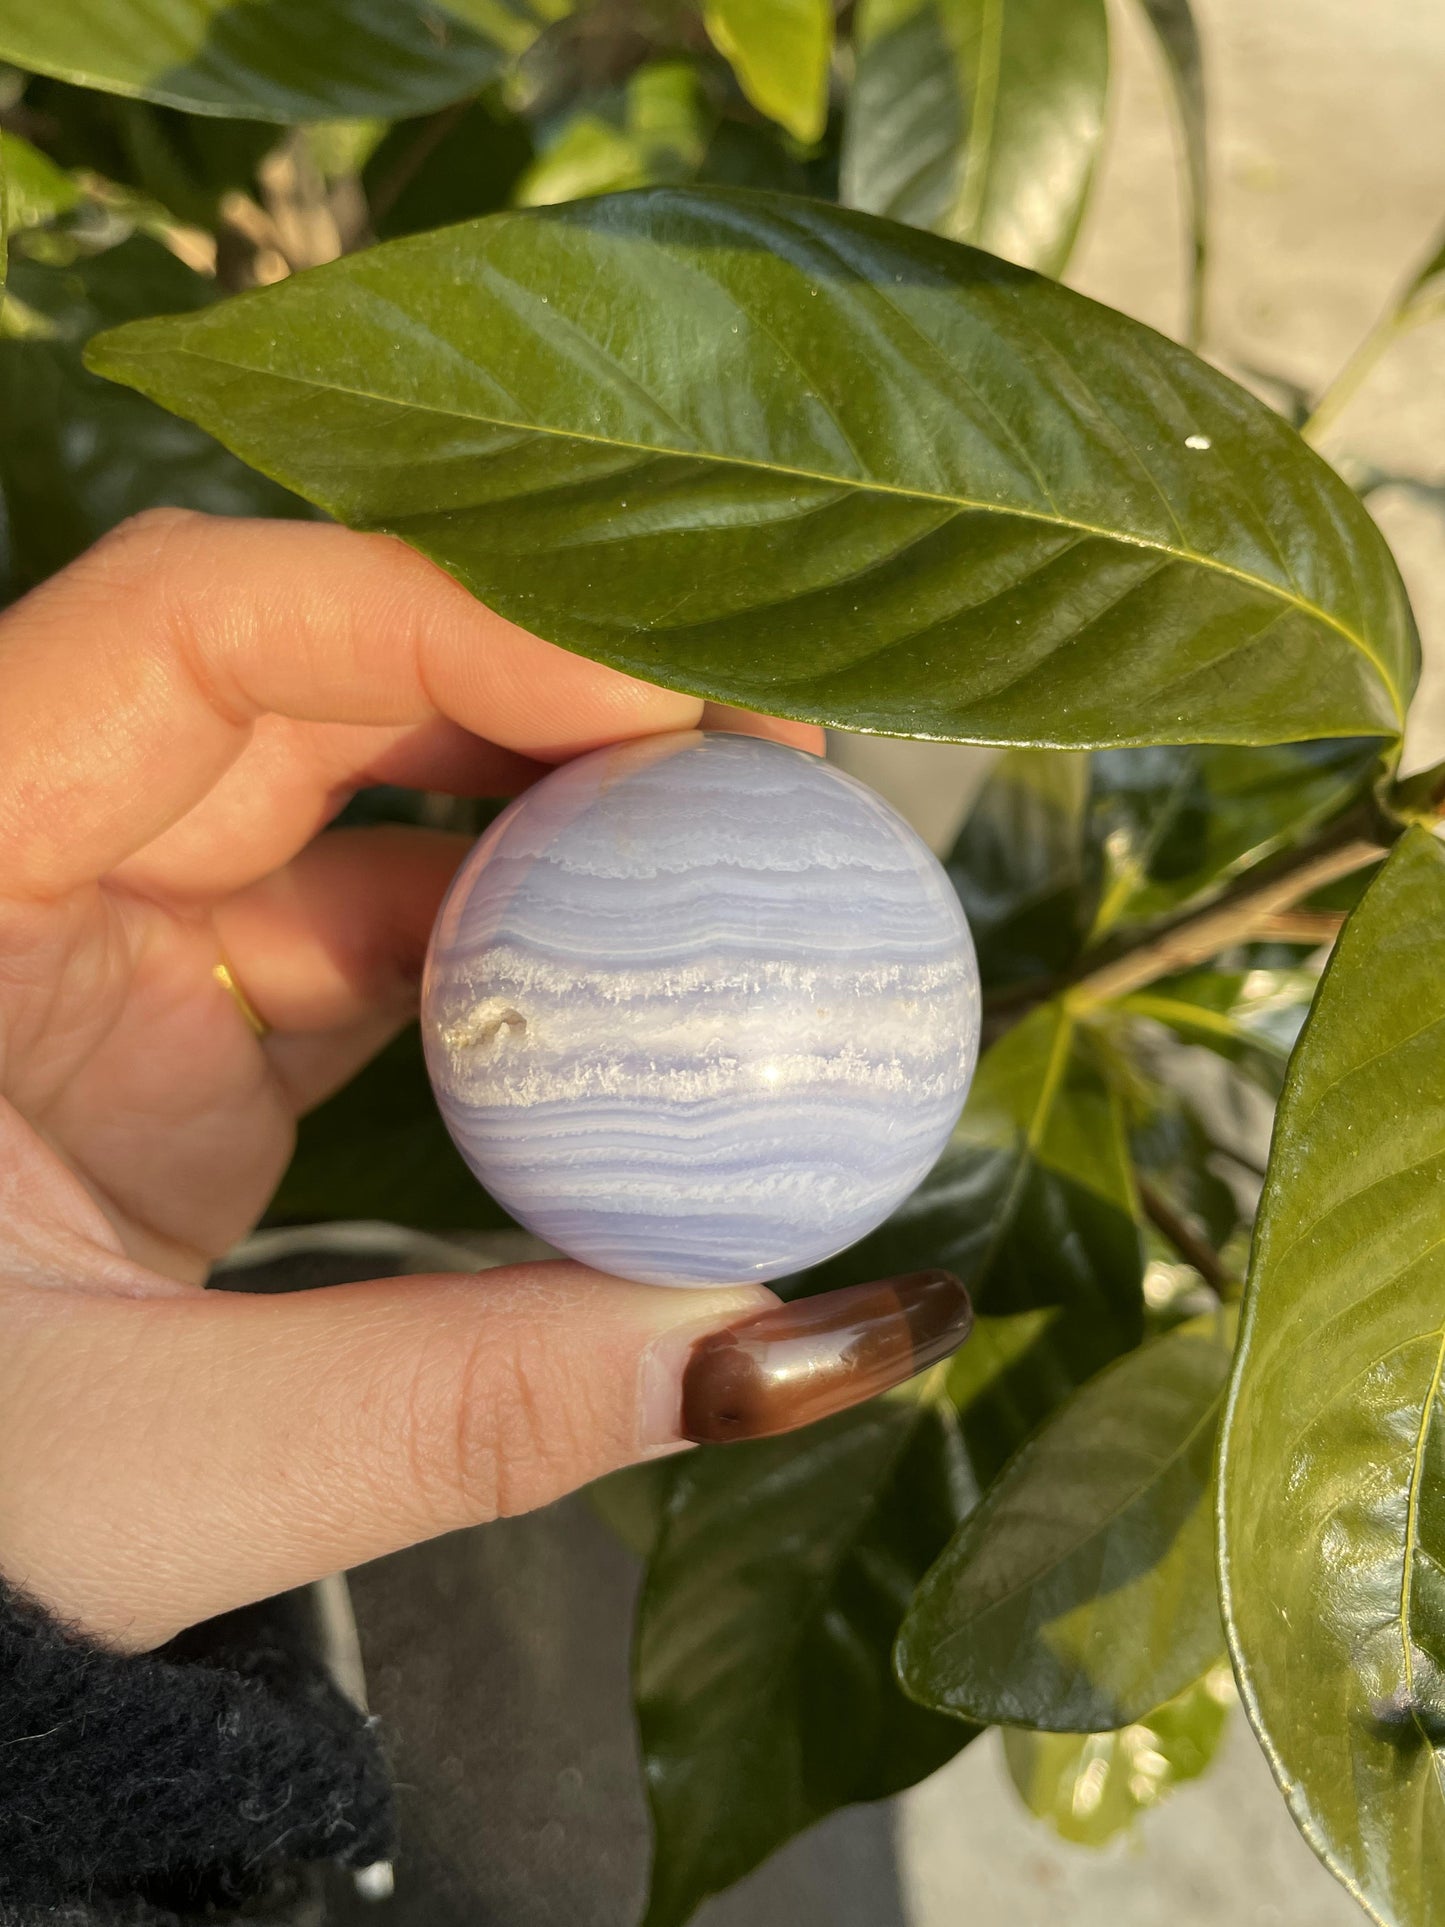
(1192,1248)
(1300,926)
(1234,920)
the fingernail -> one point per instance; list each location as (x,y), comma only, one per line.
(792,1364)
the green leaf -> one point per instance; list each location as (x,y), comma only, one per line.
(993,1387)
(653,130)
(1091,1787)
(1175,1154)
(186,162)
(378,1149)
(340,148)
(1178,37)
(35,190)
(780,1572)
(1020,866)
(79,455)
(273,59)
(1424,295)
(1332,1508)
(1171,824)
(760,1713)
(1080,1592)
(920,491)
(1417,798)
(755,154)
(1032,1206)
(764,1687)
(781,51)
(981,119)
(1252,1017)
(433,171)
(1061,849)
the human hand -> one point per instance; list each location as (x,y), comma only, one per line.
(181,712)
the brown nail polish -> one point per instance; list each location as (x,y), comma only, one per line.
(788,1366)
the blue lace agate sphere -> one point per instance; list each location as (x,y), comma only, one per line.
(700,1009)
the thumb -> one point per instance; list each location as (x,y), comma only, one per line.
(165,1459)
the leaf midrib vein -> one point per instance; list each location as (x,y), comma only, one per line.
(1341,1392)
(1100,1527)
(1407,1575)
(979,149)
(868,485)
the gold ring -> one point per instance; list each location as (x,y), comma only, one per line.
(225,977)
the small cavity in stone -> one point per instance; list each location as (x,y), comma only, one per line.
(485,1025)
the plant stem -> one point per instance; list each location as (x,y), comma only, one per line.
(1192,1248)
(1245,911)
(1235,920)
(1314,927)
(1352,376)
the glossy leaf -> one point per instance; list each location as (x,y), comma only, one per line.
(654,130)
(995,1389)
(1172,824)
(1332,1509)
(780,1572)
(35,190)
(920,491)
(763,1679)
(980,119)
(1032,1206)
(378,1149)
(1020,866)
(79,455)
(272,59)
(1092,1787)
(1252,1017)
(1080,1592)
(1178,37)
(781,51)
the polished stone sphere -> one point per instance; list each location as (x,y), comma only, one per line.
(700,1009)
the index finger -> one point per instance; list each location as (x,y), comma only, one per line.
(130,681)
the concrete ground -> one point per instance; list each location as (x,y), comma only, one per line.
(1329,185)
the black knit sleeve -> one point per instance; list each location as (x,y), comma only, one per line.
(184,1781)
